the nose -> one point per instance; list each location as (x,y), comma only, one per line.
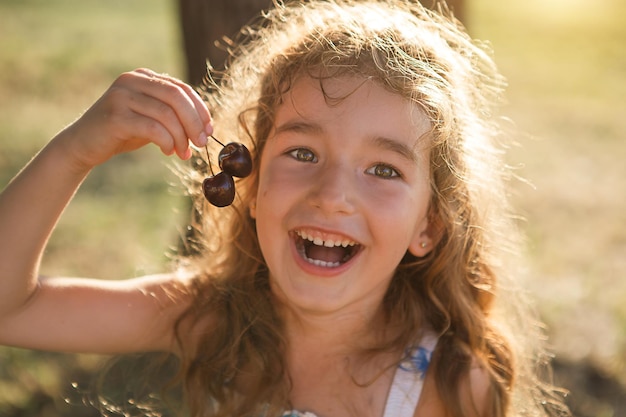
(334,190)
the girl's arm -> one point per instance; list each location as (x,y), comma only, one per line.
(97,316)
(140,107)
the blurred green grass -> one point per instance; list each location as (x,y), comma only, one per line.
(57,58)
(566,65)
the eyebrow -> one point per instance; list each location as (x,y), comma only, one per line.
(381,142)
(395,146)
(299,126)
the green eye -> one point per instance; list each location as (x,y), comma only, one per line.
(383,171)
(303,155)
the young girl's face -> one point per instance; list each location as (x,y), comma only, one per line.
(343,193)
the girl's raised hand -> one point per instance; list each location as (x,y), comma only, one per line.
(140,107)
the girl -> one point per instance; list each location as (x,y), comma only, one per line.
(357,270)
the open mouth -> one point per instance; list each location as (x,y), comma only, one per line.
(329,253)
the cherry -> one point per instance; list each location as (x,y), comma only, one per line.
(219,189)
(235,161)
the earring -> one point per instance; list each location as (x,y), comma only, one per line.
(423,245)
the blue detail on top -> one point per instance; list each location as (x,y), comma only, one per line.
(416,361)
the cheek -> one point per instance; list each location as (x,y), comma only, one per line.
(273,199)
(277,184)
(395,199)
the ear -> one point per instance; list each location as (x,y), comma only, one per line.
(425,237)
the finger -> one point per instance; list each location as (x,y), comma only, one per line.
(200,105)
(146,129)
(129,127)
(189,107)
(165,116)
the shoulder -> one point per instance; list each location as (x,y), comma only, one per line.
(474,394)
(475,390)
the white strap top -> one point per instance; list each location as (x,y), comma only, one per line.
(408,381)
(407,384)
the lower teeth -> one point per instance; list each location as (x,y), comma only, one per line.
(322,263)
(318,262)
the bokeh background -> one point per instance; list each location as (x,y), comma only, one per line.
(566,65)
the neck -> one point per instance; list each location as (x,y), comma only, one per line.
(328,362)
(341,333)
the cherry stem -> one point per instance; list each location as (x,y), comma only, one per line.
(208,158)
(215,139)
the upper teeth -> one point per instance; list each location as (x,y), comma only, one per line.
(329,243)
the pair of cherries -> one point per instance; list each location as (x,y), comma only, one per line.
(234,161)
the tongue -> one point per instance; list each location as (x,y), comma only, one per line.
(323,253)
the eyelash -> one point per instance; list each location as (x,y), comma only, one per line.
(303,155)
(393,173)
(297,155)
(307,155)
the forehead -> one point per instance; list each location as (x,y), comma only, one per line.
(352,102)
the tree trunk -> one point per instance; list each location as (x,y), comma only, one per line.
(205,23)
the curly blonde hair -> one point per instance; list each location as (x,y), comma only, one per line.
(236,367)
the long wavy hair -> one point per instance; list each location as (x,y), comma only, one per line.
(234,364)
